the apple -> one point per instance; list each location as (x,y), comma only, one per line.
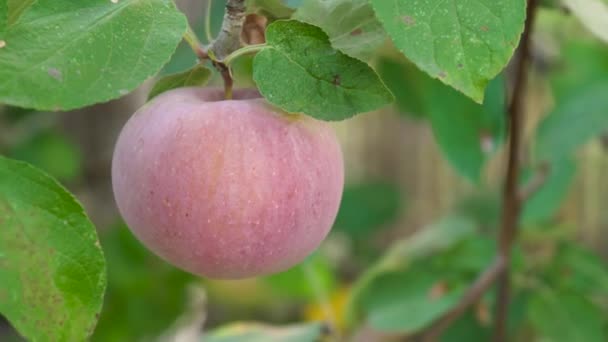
(227,189)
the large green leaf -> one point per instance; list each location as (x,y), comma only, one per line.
(144,291)
(255,332)
(295,283)
(404,302)
(581,63)
(3,17)
(16,8)
(64,54)
(51,152)
(52,269)
(365,207)
(468,134)
(577,119)
(567,317)
(300,72)
(357,33)
(432,240)
(197,76)
(463,43)
(580,269)
(407,83)
(547,200)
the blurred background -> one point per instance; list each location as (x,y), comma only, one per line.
(400,188)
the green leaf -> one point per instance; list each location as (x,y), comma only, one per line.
(144,291)
(52,268)
(16,9)
(567,317)
(197,76)
(463,43)
(578,119)
(407,83)
(51,152)
(300,72)
(592,14)
(404,302)
(3,17)
(242,71)
(434,239)
(296,282)
(255,332)
(547,200)
(580,269)
(64,54)
(466,328)
(272,9)
(581,63)
(468,134)
(357,33)
(365,207)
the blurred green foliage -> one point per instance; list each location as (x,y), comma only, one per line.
(400,285)
(144,296)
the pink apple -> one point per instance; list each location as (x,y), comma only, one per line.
(227,188)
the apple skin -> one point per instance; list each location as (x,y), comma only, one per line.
(227,189)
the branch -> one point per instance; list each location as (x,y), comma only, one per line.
(471,296)
(512,201)
(229,39)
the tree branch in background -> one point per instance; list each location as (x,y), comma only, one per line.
(513,198)
(472,296)
(512,201)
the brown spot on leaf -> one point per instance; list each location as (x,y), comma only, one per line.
(482,311)
(438,290)
(442,74)
(486,142)
(337,80)
(409,20)
(460,66)
(55,73)
(356,32)
(484,28)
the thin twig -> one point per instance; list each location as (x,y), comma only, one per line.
(535,183)
(512,201)
(471,296)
